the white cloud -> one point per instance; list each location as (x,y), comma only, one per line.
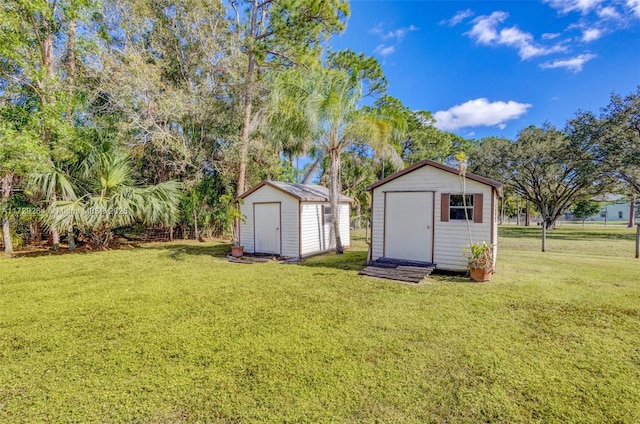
(484,28)
(550,35)
(591,34)
(479,113)
(608,13)
(377,29)
(384,50)
(458,17)
(573,64)
(634,5)
(566,6)
(485,31)
(398,34)
(391,39)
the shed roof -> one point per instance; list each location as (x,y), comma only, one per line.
(302,192)
(487,181)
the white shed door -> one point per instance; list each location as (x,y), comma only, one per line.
(266,218)
(408,221)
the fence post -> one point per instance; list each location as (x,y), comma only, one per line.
(544,235)
(638,242)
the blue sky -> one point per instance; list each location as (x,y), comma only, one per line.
(488,68)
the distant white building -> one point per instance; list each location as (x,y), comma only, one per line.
(614,212)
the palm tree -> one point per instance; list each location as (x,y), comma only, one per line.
(54,185)
(113,200)
(322,105)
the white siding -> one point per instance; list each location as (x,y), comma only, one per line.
(450,238)
(312,230)
(289,214)
(316,236)
(345,227)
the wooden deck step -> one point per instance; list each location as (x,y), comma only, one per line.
(399,270)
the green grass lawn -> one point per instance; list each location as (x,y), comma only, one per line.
(175,333)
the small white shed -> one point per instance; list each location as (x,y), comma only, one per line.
(291,220)
(418,214)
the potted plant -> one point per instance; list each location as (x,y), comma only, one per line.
(232,217)
(236,249)
(480,261)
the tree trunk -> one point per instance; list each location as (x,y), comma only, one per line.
(71,78)
(248,100)
(334,193)
(35,232)
(358,222)
(55,235)
(71,68)
(632,210)
(195,226)
(311,171)
(46,98)
(7,182)
(527,218)
(71,242)
(544,235)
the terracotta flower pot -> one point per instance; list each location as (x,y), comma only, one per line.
(480,274)
(237,251)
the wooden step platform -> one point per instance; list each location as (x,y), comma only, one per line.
(399,270)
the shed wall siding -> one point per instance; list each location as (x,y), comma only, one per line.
(450,237)
(288,215)
(345,224)
(312,229)
(316,236)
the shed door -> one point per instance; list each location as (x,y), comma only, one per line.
(408,222)
(266,219)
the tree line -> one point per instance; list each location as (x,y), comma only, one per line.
(556,170)
(159,113)
(117,113)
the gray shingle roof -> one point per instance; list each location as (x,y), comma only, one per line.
(302,192)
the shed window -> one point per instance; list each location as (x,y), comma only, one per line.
(452,207)
(620,214)
(457,206)
(327,213)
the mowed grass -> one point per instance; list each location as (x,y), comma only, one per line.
(175,333)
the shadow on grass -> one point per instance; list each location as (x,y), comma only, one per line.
(440,276)
(356,261)
(350,260)
(42,248)
(560,233)
(176,250)
(51,252)
(173,249)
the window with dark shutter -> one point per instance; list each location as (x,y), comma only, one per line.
(455,207)
(444,207)
(460,207)
(477,208)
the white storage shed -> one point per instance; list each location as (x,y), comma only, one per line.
(418,214)
(291,220)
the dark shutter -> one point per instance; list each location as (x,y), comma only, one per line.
(444,207)
(477,208)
